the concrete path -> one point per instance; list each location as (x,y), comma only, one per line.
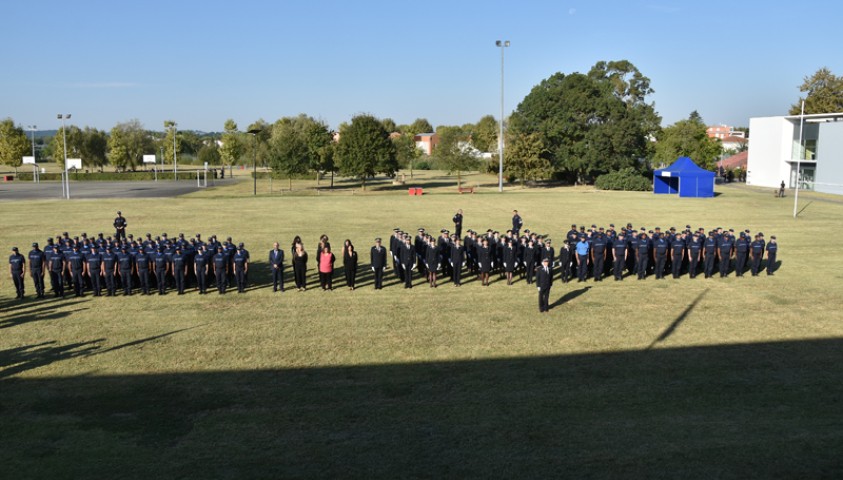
(85,190)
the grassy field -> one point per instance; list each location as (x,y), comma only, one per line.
(719,378)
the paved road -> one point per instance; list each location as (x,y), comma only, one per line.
(141,189)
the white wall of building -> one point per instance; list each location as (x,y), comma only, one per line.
(770,148)
(829,173)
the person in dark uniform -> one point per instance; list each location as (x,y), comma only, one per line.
(566,261)
(741,250)
(725,250)
(756,249)
(599,248)
(300,267)
(56,268)
(142,267)
(17,269)
(544,280)
(396,241)
(485,263)
(408,261)
(349,264)
(125,266)
(37,262)
(200,267)
(241,267)
(179,269)
(220,261)
(582,250)
(93,267)
(378,262)
(660,249)
(695,247)
(432,265)
(677,255)
(772,250)
(643,255)
(457,260)
(528,259)
(161,267)
(120,225)
(510,259)
(619,253)
(109,268)
(75,264)
(276,266)
(517,223)
(709,254)
(458,223)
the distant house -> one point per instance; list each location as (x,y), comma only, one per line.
(427,142)
(733,143)
(723,131)
(735,161)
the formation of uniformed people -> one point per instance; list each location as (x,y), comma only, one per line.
(159,264)
(108,264)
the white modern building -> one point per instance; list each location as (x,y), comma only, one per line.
(774,152)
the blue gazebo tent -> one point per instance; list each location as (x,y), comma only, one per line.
(685,178)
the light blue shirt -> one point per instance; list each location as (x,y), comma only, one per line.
(582,247)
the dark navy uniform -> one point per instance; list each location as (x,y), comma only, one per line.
(109,265)
(142,262)
(598,256)
(17,264)
(408,260)
(529,261)
(93,261)
(544,280)
(162,266)
(458,224)
(378,261)
(37,262)
(120,227)
(643,256)
(695,246)
(772,250)
(677,256)
(726,248)
(241,266)
(76,266)
(457,260)
(124,267)
(56,267)
(619,261)
(179,270)
(741,251)
(200,266)
(220,269)
(709,253)
(660,248)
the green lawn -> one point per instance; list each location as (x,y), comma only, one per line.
(451,382)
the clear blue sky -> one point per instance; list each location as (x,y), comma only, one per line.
(201,62)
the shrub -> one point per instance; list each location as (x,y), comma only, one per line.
(422,165)
(624,179)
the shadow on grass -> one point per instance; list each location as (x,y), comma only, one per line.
(678,320)
(569,296)
(767,410)
(40,310)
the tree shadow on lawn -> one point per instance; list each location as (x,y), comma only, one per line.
(743,411)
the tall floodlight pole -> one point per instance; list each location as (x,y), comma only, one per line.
(63,117)
(799,158)
(502,45)
(254,132)
(32,129)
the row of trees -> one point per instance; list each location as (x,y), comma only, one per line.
(570,126)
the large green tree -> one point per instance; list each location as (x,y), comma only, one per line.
(301,144)
(127,143)
(232,143)
(525,158)
(94,148)
(406,152)
(454,152)
(13,144)
(484,134)
(824,92)
(364,149)
(687,138)
(172,142)
(74,136)
(590,124)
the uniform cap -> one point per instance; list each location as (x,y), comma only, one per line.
(240,245)
(14,249)
(378,239)
(64,234)
(772,237)
(573,225)
(545,260)
(612,225)
(34,244)
(593,226)
(760,234)
(672,229)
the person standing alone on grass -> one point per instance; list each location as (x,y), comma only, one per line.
(772,249)
(544,280)
(120,224)
(378,261)
(458,223)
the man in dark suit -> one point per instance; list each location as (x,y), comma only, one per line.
(378,261)
(276,263)
(544,280)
